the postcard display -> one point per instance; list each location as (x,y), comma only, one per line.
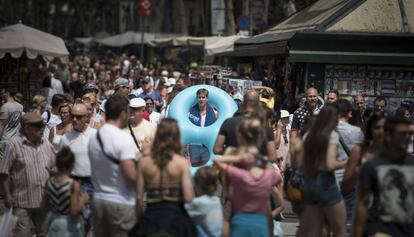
(395,83)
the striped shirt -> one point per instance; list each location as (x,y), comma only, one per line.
(28,166)
(58,196)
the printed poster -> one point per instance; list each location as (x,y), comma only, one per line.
(344,87)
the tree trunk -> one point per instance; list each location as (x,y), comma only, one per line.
(179,17)
(230,25)
(157,16)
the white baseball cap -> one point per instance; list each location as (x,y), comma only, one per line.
(136,103)
(284,114)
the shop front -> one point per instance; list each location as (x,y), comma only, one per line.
(356,47)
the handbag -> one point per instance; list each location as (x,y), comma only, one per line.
(294,179)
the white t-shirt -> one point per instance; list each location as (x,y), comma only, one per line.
(107,178)
(203,120)
(78,144)
(155,118)
(57,86)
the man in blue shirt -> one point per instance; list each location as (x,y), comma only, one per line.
(201,114)
(149,91)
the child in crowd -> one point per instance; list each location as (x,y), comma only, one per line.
(65,199)
(205,209)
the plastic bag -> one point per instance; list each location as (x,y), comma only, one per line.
(8,223)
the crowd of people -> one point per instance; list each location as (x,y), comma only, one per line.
(96,155)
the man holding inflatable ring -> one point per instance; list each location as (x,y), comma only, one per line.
(201,114)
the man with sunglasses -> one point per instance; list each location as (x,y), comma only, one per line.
(24,172)
(150,92)
(77,140)
(121,87)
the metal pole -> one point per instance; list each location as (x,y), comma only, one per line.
(141,28)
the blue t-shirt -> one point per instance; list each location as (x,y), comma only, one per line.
(153,95)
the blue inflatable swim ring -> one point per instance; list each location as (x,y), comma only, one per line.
(190,133)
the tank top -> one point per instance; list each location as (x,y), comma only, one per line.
(166,191)
(59,196)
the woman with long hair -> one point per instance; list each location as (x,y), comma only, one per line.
(163,174)
(321,196)
(251,182)
(372,146)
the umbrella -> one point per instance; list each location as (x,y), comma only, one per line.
(19,38)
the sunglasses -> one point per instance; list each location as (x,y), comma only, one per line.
(77,116)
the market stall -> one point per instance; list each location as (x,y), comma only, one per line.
(20,47)
(357,47)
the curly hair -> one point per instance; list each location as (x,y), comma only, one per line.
(166,142)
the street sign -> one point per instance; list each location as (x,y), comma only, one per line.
(144,7)
(243,22)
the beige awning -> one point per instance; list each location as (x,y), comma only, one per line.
(125,38)
(222,46)
(19,38)
(183,41)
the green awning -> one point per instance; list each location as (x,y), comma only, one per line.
(341,57)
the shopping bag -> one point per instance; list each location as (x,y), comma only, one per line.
(8,223)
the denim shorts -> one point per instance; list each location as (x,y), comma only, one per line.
(198,153)
(321,189)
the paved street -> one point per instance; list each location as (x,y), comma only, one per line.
(291,221)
